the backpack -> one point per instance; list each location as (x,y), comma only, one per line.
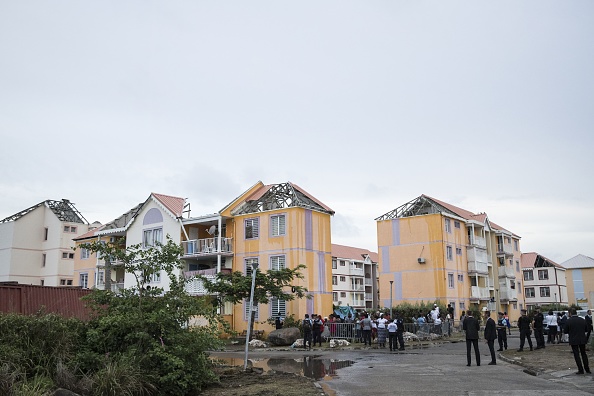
(306,325)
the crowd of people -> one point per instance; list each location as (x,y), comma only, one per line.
(573,330)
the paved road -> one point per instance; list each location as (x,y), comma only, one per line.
(437,370)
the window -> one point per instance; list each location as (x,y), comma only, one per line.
(462,306)
(343,279)
(62,282)
(333,263)
(448,226)
(501,262)
(512,284)
(519,286)
(529,292)
(43,258)
(511,263)
(45,234)
(507,240)
(543,274)
(456,225)
(334,296)
(277,263)
(342,263)
(42,282)
(249,262)
(68,256)
(473,281)
(157,276)
(342,294)
(100,278)
(66,228)
(246,312)
(335,280)
(545,292)
(458,251)
(517,266)
(84,281)
(451,281)
(516,245)
(278,306)
(515,305)
(252,228)
(151,237)
(449,253)
(71,229)
(528,275)
(460,278)
(278,225)
(84,253)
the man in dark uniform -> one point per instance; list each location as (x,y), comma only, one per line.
(576,328)
(502,332)
(537,324)
(471,327)
(400,331)
(490,336)
(524,327)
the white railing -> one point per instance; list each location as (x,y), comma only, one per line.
(506,293)
(195,286)
(478,241)
(479,292)
(357,287)
(356,271)
(368,282)
(368,296)
(476,266)
(504,248)
(508,271)
(205,246)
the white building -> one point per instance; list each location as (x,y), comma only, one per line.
(354,277)
(544,281)
(36,244)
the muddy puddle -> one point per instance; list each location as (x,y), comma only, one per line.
(307,366)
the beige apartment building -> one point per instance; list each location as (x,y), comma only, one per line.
(544,281)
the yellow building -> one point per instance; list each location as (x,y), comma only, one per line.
(580,280)
(434,251)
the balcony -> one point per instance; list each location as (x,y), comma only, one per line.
(369,296)
(368,282)
(207,247)
(507,271)
(505,248)
(477,241)
(506,294)
(479,293)
(357,287)
(115,287)
(477,267)
(356,271)
(195,286)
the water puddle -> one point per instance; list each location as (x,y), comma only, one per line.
(307,366)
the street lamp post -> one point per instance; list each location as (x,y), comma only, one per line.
(247,337)
(391,283)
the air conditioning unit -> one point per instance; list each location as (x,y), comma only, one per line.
(421,260)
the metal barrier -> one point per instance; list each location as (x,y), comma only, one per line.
(352,331)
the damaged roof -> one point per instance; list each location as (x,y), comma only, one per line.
(64,210)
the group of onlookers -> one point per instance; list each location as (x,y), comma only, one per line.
(574,330)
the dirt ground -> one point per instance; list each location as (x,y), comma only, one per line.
(553,358)
(236,382)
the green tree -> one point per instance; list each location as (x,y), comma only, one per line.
(235,287)
(147,330)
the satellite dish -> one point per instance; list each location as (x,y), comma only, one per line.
(212,230)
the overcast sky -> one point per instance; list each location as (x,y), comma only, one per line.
(487,105)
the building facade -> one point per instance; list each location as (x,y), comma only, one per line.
(36,244)
(435,251)
(580,280)
(544,281)
(354,277)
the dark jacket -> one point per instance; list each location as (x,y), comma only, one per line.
(472,327)
(576,328)
(490,330)
(524,323)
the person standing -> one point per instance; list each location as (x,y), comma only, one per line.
(462,317)
(307,332)
(278,322)
(392,334)
(551,320)
(318,328)
(501,332)
(508,322)
(382,331)
(524,327)
(471,327)
(490,336)
(576,329)
(366,329)
(537,325)
(400,330)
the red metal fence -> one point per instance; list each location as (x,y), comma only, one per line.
(30,299)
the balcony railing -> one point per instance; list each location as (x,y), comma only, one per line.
(368,282)
(207,246)
(368,296)
(504,248)
(115,287)
(356,271)
(476,266)
(508,271)
(195,286)
(506,293)
(357,287)
(479,293)
(477,241)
